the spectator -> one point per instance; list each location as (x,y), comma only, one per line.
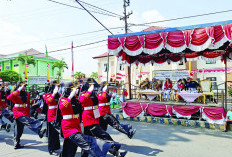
(167,86)
(179,86)
(228,119)
(191,85)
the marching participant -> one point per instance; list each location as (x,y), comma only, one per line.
(106,118)
(70,109)
(52,98)
(4,110)
(90,117)
(21,111)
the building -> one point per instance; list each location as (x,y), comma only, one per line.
(37,74)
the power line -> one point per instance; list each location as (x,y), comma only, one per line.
(93,17)
(63,49)
(100,8)
(180,18)
(80,8)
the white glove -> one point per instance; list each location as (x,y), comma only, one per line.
(20,88)
(72,93)
(91,88)
(55,90)
(105,88)
(77,90)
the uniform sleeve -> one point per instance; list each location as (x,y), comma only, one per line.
(50,99)
(13,95)
(64,102)
(84,97)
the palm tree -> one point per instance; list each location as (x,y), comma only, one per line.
(94,75)
(79,75)
(30,59)
(60,65)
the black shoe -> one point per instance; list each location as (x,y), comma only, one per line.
(54,153)
(132,133)
(3,126)
(224,131)
(18,146)
(122,154)
(41,133)
(8,127)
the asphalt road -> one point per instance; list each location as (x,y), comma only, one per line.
(150,140)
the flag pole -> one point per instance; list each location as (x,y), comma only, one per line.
(26,68)
(72,62)
(48,78)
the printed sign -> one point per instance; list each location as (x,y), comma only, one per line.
(172,75)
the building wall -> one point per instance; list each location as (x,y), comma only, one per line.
(199,64)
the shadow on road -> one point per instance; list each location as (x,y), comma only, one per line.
(147,151)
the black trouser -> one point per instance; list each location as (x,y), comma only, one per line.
(97,131)
(109,119)
(53,137)
(34,125)
(7,115)
(91,145)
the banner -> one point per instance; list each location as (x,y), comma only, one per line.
(172,75)
(37,80)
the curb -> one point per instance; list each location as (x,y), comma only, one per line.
(173,121)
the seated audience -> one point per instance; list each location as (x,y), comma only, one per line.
(228,119)
(191,85)
(145,84)
(179,86)
(167,86)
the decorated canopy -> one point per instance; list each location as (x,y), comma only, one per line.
(210,41)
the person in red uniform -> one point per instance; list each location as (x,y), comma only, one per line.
(106,118)
(4,111)
(52,98)
(90,117)
(167,86)
(70,109)
(21,111)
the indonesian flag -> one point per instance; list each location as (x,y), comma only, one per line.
(119,76)
(0,80)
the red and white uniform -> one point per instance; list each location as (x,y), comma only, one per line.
(104,107)
(69,124)
(3,103)
(20,108)
(87,115)
(52,106)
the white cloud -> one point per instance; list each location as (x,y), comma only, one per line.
(152,15)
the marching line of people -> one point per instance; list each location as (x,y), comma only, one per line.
(65,108)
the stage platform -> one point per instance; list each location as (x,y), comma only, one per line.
(211,112)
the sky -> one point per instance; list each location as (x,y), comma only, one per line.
(26,24)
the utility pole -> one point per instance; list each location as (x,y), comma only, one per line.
(128,69)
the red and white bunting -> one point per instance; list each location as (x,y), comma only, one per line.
(47,65)
(119,76)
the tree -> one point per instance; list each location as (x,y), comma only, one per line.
(60,65)
(94,75)
(10,76)
(30,59)
(79,75)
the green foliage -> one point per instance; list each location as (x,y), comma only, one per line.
(60,64)
(10,76)
(79,75)
(30,59)
(94,75)
(230,91)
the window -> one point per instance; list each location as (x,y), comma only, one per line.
(7,67)
(214,82)
(210,62)
(137,82)
(121,67)
(105,68)
(16,65)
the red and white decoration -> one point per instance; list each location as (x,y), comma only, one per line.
(210,114)
(141,74)
(202,41)
(229,70)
